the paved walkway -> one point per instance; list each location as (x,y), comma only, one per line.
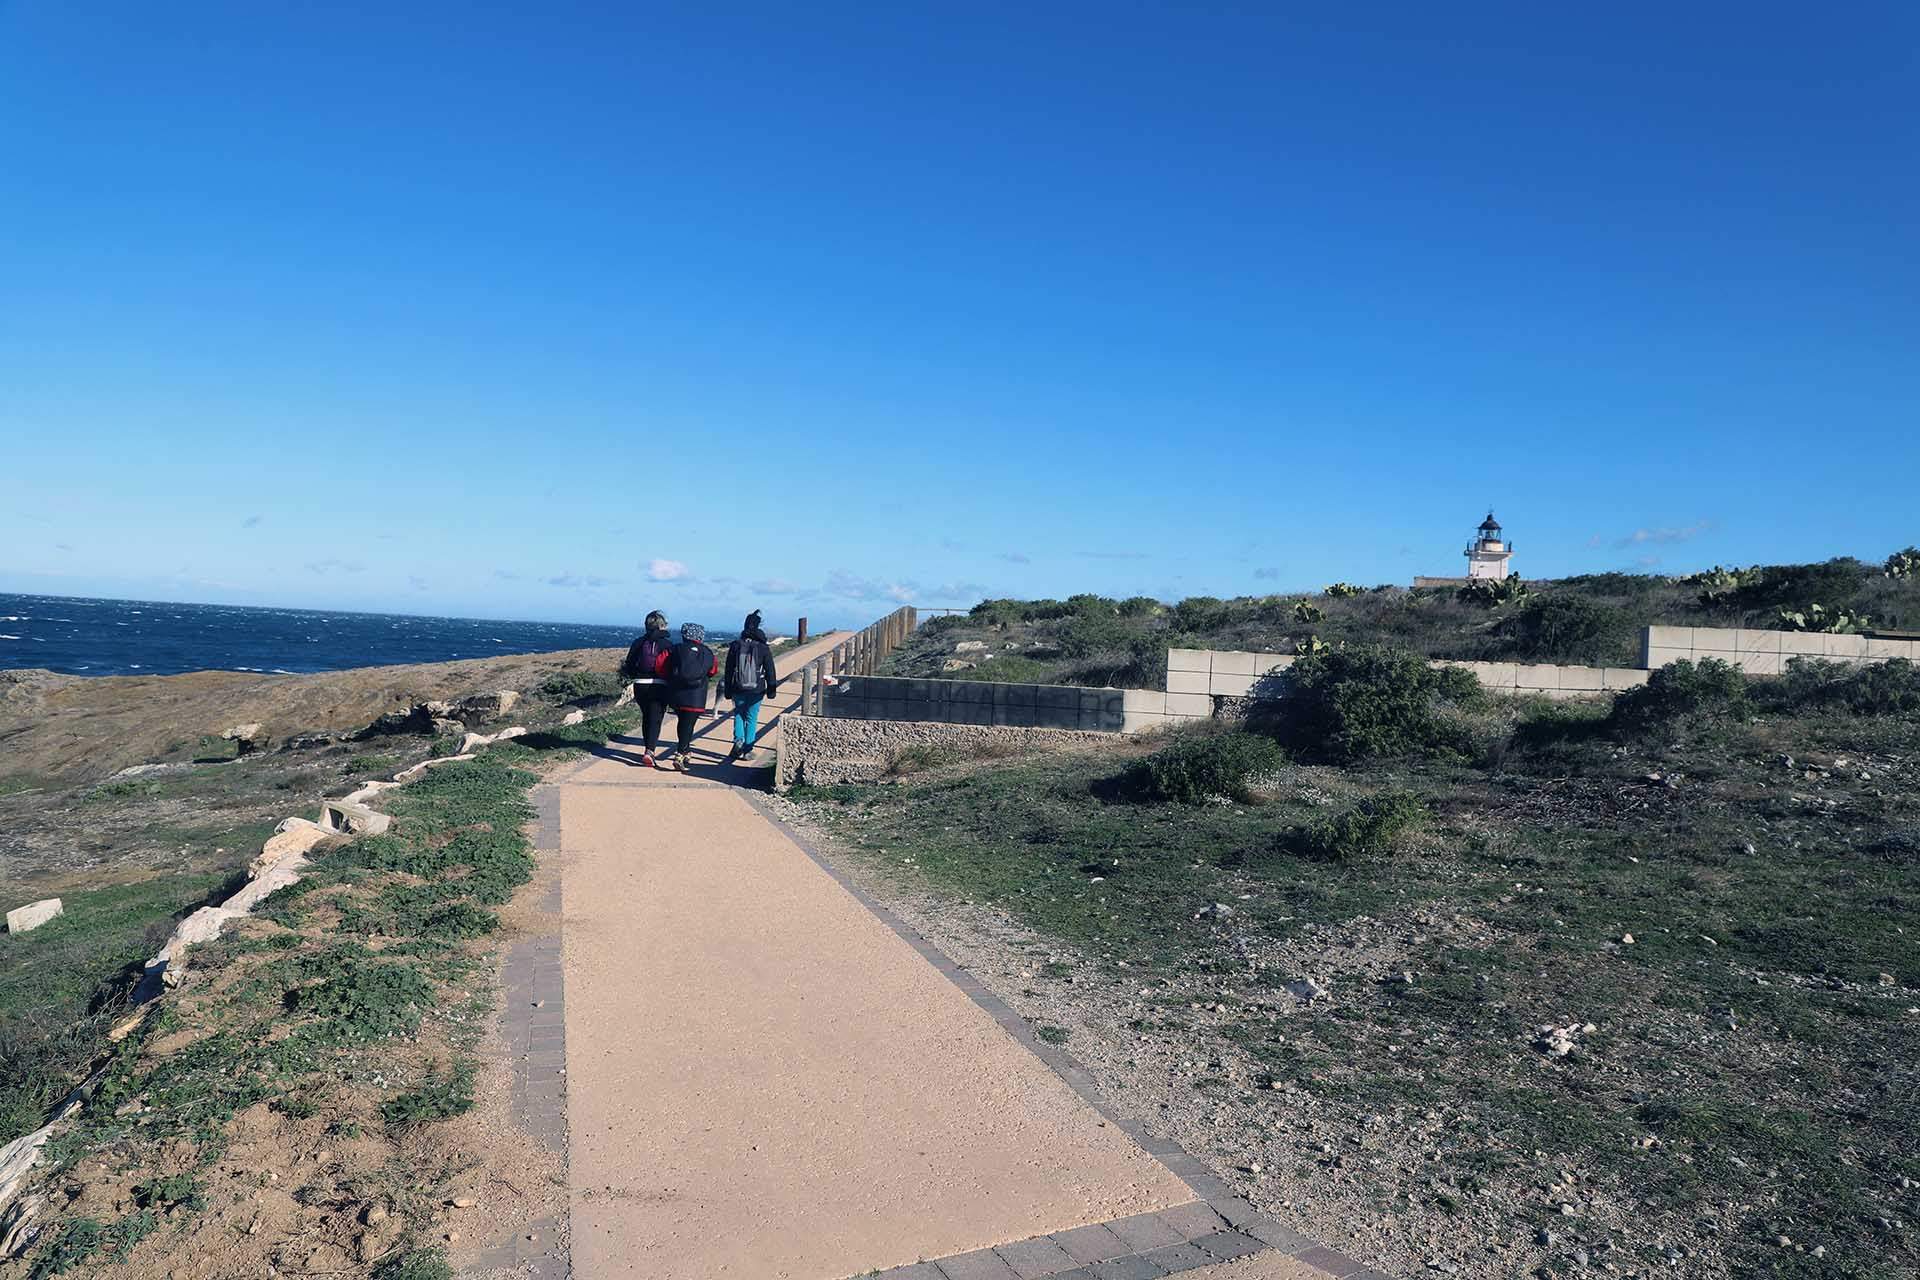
(767,1076)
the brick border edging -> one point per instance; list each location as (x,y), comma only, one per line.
(1217,1194)
(533,1022)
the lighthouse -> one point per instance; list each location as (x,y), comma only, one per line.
(1488,553)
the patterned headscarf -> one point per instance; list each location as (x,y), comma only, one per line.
(693,633)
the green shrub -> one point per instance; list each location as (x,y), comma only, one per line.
(1086,605)
(1199,767)
(1088,634)
(1369,827)
(1342,590)
(1139,607)
(997,612)
(1875,689)
(1558,627)
(1202,613)
(1369,701)
(580,686)
(1706,691)
(1904,564)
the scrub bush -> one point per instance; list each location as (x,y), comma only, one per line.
(1198,768)
(1088,634)
(1368,701)
(1566,628)
(1703,692)
(1875,689)
(1368,827)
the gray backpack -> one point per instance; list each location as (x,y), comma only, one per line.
(746,673)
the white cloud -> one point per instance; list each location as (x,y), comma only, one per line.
(666,571)
(772,587)
(1659,537)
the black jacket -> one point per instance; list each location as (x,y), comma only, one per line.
(649,686)
(769,680)
(686,668)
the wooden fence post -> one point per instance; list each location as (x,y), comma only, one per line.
(801,638)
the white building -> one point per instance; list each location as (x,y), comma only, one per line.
(1487,557)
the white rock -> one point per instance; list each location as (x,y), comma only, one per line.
(576,716)
(353,819)
(971,646)
(33,915)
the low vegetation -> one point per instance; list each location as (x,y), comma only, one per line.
(344,1014)
(1532,987)
(1198,767)
(1592,620)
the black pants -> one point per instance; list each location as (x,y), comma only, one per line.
(688,719)
(653,712)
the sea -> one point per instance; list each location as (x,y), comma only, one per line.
(87,637)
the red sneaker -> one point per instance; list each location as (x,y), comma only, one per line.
(646,761)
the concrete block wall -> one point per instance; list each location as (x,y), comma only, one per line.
(1223,673)
(1761,652)
(1226,674)
(974,702)
(1549,679)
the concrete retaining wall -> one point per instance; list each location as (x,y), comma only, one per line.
(974,702)
(1549,679)
(1204,674)
(823,751)
(1765,653)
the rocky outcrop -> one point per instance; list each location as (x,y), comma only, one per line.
(440,717)
(348,817)
(248,737)
(474,741)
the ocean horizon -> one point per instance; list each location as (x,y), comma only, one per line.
(90,636)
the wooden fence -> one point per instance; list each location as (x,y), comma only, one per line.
(857,655)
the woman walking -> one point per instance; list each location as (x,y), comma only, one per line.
(750,678)
(649,690)
(686,668)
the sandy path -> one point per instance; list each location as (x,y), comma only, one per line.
(765,1080)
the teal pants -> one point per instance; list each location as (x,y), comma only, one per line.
(746,722)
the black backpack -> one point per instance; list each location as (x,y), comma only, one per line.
(693,665)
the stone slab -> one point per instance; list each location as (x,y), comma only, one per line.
(33,915)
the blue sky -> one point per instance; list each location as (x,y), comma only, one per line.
(563,311)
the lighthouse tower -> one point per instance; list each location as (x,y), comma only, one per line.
(1488,553)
